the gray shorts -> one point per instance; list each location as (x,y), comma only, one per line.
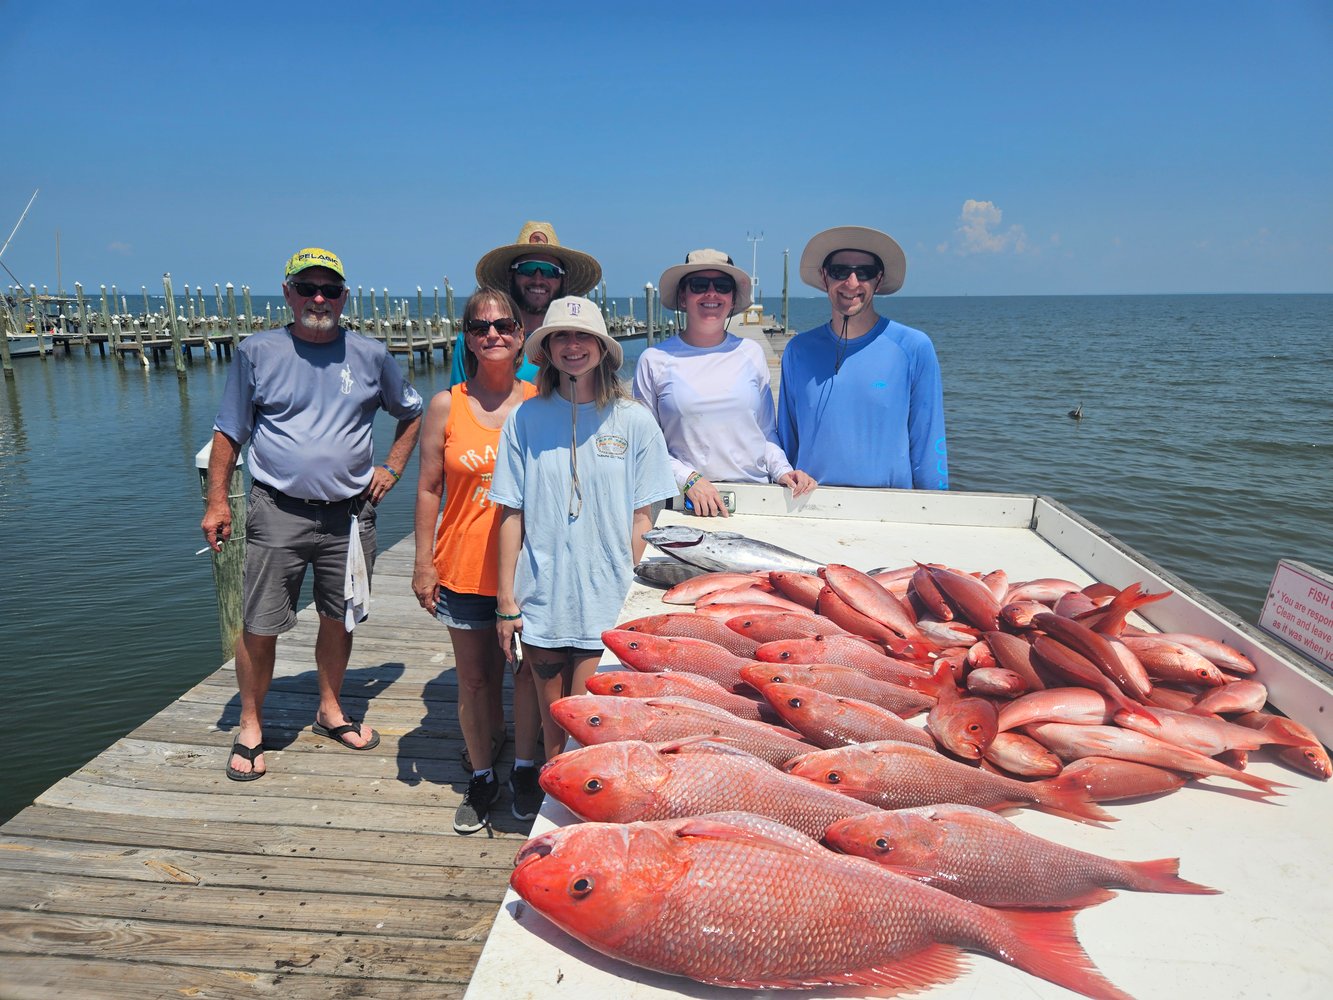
(465,611)
(284,535)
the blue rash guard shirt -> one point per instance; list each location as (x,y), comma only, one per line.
(875,419)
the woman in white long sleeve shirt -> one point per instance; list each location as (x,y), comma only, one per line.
(709,390)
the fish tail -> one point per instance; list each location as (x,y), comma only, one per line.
(1067,795)
(1044,944)
(1162,875)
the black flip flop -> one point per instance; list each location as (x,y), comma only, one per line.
(338,732)
(249,753)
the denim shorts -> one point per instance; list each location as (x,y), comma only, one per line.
(283,536)
(465,611)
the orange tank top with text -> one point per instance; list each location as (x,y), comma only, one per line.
(466,543)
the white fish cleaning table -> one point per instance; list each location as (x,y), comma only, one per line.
(1264,936)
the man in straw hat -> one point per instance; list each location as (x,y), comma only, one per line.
(305,397)
(861,402)
(536,270)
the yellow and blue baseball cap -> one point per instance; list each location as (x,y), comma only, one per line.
(314,257)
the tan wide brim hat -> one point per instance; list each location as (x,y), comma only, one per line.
(572,313)
(704,260)
(882,245)
(582,272)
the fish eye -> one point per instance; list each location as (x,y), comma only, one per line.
(881,844)
(617,688)
(593,785)
(833,778)
(784,656)
(793,702)
(778,679)
(594,720)
(633,644)
(975,727)
(580,887)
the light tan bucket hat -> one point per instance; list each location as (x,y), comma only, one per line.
(882,245)
(705,260)
(572,313)
(582,272)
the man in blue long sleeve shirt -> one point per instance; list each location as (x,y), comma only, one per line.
(861,402)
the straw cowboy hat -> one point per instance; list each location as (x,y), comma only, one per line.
(572,313)
(882,245)
(704,260)
(582,272)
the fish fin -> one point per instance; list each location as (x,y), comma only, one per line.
(1044,944)
(677,745)
(1068,796)
(933,965)
(1092,897)
(1163,875)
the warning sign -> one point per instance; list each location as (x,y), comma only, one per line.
(1299,610)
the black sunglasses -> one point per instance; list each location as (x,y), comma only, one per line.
(722,284)
(841,272)
(309,289)
(546,269)
(504,326)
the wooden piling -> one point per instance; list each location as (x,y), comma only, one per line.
(38,324)
(6,320)
(231,313)
(83,319)
(228,564)
(430,341)
(176,352)
(112,330)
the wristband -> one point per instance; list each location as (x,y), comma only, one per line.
(509,618)
(393,472)
(689,483)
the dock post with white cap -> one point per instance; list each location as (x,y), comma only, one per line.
(229,563)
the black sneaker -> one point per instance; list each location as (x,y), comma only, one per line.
(482,791)
(527,793)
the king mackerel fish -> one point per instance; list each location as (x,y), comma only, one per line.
(724,551)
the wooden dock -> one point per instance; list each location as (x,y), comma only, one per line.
(147,873)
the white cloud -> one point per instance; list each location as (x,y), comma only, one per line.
(117,247)
(979,231)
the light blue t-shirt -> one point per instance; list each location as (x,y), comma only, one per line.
(574,572)
(867,412)
(307,410)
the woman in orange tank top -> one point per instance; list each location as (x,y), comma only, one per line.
(454,577)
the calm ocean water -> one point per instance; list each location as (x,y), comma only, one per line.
(1206,444)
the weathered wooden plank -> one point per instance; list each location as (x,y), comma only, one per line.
(55,977)
(429,916)
(278,804)
(248,871)
(275,839)
(355,956)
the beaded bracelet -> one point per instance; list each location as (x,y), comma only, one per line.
(694,478)
(509,618)
(393,472)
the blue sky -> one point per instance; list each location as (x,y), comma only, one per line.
(1030,148)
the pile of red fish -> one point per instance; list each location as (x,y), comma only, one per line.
(759,814)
